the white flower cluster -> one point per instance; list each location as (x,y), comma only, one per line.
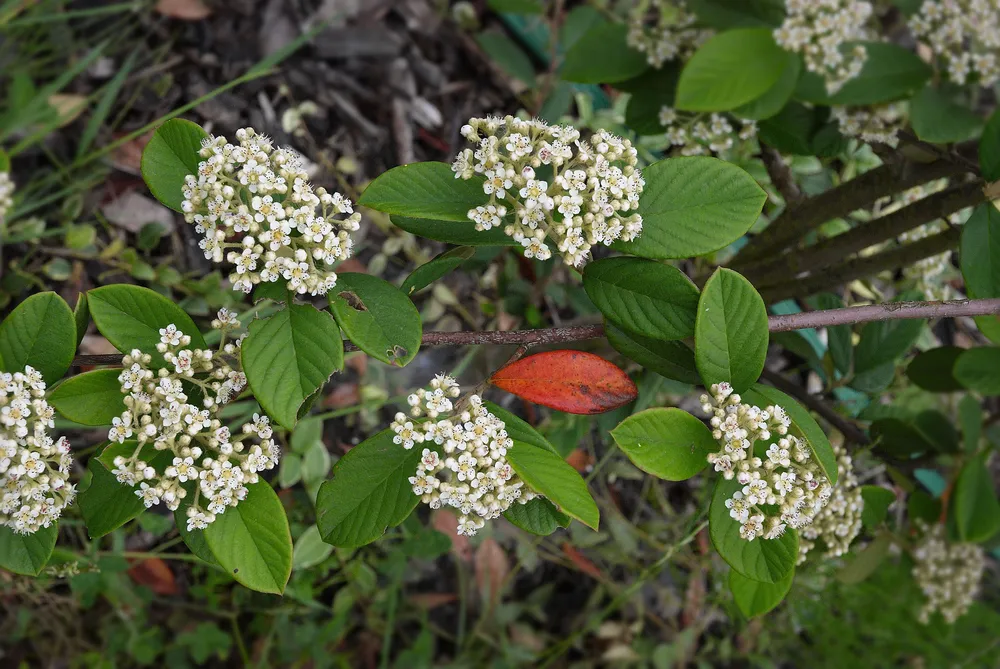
(6,194)
(876,124)
(665,30)
(34,469)
(839,522)
(820,29)
(256,208)
(473,474)
(948,574)
(586,200)
(964,34)
(788,478)
(205,452)
(701,135)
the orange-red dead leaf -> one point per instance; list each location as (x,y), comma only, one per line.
(492,568)
(580,561)
(570,381)
(446,522)
(580,460)
(188,10)
(432,600)
(155,574)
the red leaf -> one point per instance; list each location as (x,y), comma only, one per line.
(580,561)
(570,381)
(155,574)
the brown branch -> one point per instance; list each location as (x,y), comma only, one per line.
(781,175)
(851,431)
(561,335)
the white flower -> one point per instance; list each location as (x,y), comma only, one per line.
(665,30)
(6,194)
(949,574)
(963,36)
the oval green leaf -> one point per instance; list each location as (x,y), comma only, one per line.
(974,503)
(27,554)
(519,430)
(92,398)
(937,118)
(979,254)
(436,268)
(670,444)
(451,232)
(425,190)
(755,598)
(891,72)
(731,332)
(377,317)
(877,501)
(309,549)
(977,369)
(539,517)
(289,356)
(883,342)
(643,296)
(670,359)
(548,474)
(169,157)
(933,370)
(40,332)
(989,148)
(602,56)
(693,206)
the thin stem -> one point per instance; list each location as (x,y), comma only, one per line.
(781,175)
(781,323)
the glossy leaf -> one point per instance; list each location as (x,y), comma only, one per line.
(507,55)
(731,69)
(425,190)
(539,516)
(839,341)
(92,398)
(602,56)
(766,560)
(989,148)
(648,94)
(290,355)
(979,254)
(436,268)
(452,232)
(933,370)
(970,416)
(755,598)
(107,504)
(27,554)
(899,438)
(81,315)
(885,341)
(866,562)
(169,157)
(370,491)
(670,359)
(548,474)
(310,549)
(518,430)
(377,317)
(976,369)
(193,539)
(937,118)
(132,316)
(643,296)
(570,381)
(731,332)
(777,96)
(693,206)
(876,504)
(891,72)
(725,14)
(40,332)
(670,444)
(974,502)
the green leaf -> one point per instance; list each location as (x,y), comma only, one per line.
(194,539)
(670,444)
(517,6)
(91,398)
(40,332)
(650,91)
(921,506)
(877,502)
(169,157)
(979,255)
(548,474)
(370,492)
(81,316)
(875,379)
(693,206)
(539,516)
(731,69)
(310,550)
(425,190)
(433,270)
(755,598)
(891,72)
(731,333)
(724,14)
(290,470)
(451,232)
(792,130)
(970,416)
(937,118)
(4,161)
(107,504)
(519,430)
(132,316)
(974,502)
(776,97)
(252,541)
(976,369)
(866,562)
(27,554)
(670,359)
(989,148)
(883,342)
(511,58)
(377,317)
(289,356)
(643,296)
(803,425)
(938,430)
(933,370)
(899,438)
(766,560)
(839,336)
(602,56)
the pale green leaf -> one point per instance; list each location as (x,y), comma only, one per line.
(41,333)
(377,316)
(668,443)
(548,474)
(169,157)
(731,332)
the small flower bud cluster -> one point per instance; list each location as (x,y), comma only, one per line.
(466,467)
(820,29)
(788,477)
(218,459)
(256,208)
(877,124)
(586,200)
(948,574)
(839,522)
(6,194)
(665,30)
(34,469)
(705,135)
(964,34)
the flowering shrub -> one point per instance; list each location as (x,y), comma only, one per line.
(948,574)
(665,30)
(963,34)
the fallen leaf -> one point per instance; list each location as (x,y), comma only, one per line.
(187,10)
(155,574)
(344,395)
(128,156)
(580,460)
(446,522)
(96,345)
(571,381)
(492,568)
(580,561)
(432,600)
(132,210)
(68,106)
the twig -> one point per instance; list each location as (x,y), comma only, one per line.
(781,175)
(783,323)
(843,425)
